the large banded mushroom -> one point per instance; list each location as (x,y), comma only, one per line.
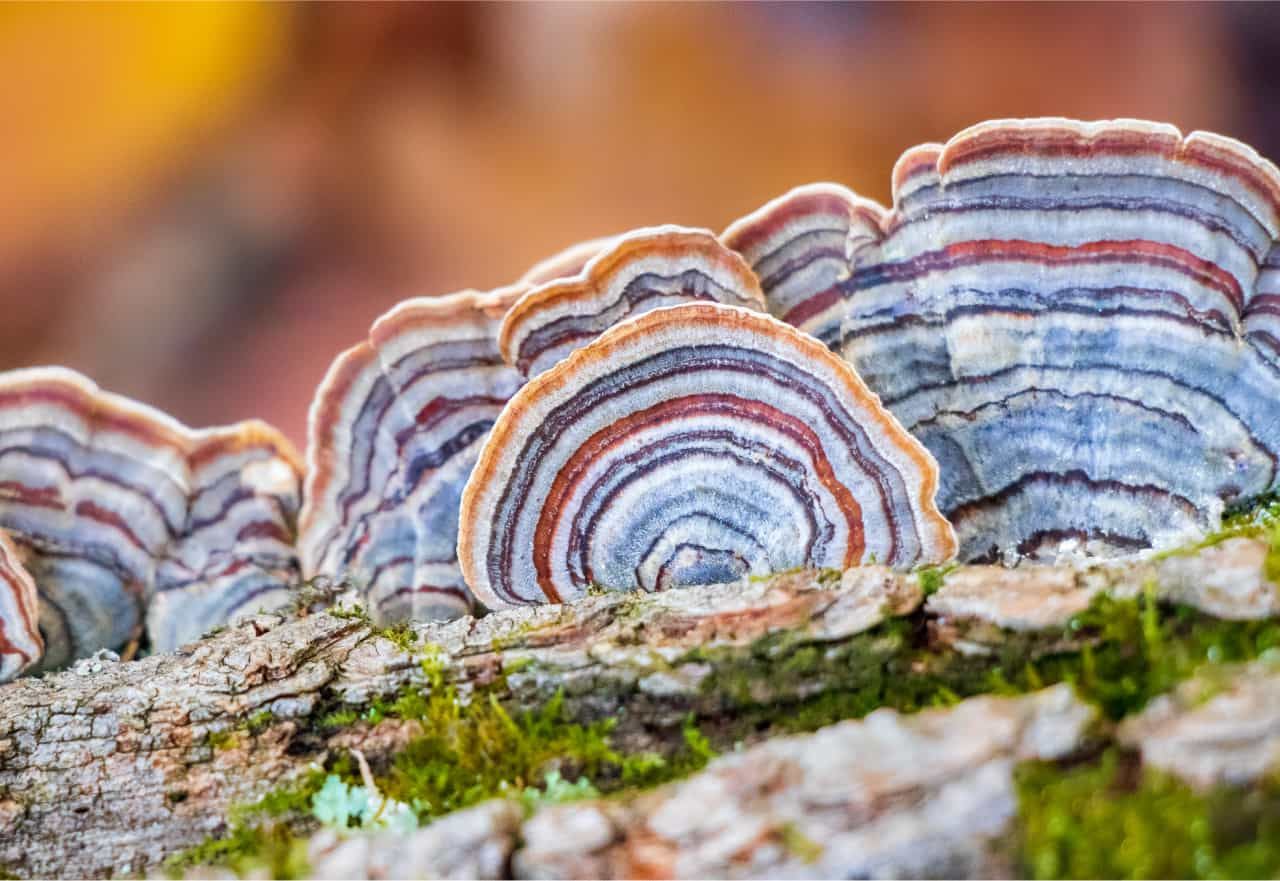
(397,423)
(688,445)
(119,511)
(393,434)
(1080,321)
(633,274)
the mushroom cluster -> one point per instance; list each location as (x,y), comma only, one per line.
(1080,321)
(1062,337)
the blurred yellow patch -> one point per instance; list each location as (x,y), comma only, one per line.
(97,99)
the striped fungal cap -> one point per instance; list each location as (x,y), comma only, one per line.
(236,554)
(644,270)
(692,444)
(1080,321)
(20,641)
(116,506)
(802,246)
(395,429)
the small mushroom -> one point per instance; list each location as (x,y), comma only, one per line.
(640,271)
(236,555)
(20,643)
(1080,320)
(116,505)
(395,428)
(692,444)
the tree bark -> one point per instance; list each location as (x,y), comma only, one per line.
(111,766)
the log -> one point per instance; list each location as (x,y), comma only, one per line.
(109,767)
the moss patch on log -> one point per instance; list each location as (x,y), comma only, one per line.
(469,749)
(1112,818)
(1118,654)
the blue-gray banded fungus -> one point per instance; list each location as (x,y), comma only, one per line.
(1080,320)
(124,515)
(642,270)
(693,444)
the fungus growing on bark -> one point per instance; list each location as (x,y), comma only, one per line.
(116,506)
(1080,321)
(640,271)
(20,642)
(693,444)
(395,428)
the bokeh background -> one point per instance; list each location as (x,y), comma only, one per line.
(200,205)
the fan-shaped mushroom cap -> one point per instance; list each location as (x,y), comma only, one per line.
(394,432)
(1080,321)
(692,444)
(20,641)
(105,496)
(801,246)
(236,553)
(643,270)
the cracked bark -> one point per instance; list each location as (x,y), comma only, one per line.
(109,767)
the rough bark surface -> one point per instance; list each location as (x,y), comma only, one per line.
(109,767)
(854,800)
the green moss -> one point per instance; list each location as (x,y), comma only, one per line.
(796,842)
(1261,520)
(1118,654)
(268,850)
(260,838)
(1113,819)
(354,612)
(932,578)
(259,721)
(402,636)
(473,749)
(222,740)
(339,718)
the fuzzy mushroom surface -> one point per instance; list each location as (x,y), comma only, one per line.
(120,511)
(637,272)
(693,444)
(1080,320)
(395,429)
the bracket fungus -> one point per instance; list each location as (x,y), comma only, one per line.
(395,428)
(20,642)
(119,511)
(1078,320)
(635,273)
(688,445)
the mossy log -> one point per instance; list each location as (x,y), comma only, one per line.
(108,768)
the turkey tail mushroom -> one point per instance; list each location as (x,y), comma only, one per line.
(107,500)
(236,554)
(21,645)
(1079,320)
(394,431)
(643,270)
(688,445)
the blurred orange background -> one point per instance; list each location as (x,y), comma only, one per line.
(200,205)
